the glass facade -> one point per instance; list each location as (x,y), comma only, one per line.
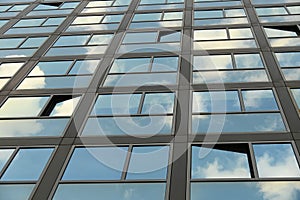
(149,99)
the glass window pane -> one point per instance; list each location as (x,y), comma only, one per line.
(147,17)
(169,37)
(97,163)
(279,33)
(34,42)
(9,69)
(87,20)
(172,15)
(140,37)
(235,13)
(130,65)
(288,59)
(238,123)
(29,22)
(132,191)
(240,33)
(148,162)
(84,67)
(22,106)
(259,100)
(265,190)
(276,160)
(165,64)
(100,39)
(219,101)
(65,108)
(271,11)
(219,163)
(33,127)
(132,126)
(10,42)
(208,14)
(117,104)
(210,34)
(157,103)
(15,191)
(212,62)
(50,68)
(248,61)
(296,94)
(294,9)
(72,40)
(4,156)
(141,79)
(54,21)
(112,18)
(28,164)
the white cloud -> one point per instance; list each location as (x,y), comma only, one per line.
(279,190)
(269,166)
(30,83)
(23,128)
(65,108)
(217,170)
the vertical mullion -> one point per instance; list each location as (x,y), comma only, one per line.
(127,161)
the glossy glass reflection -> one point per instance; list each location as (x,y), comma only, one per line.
(296,94)
(247,123)
(33,127)
(96,163)
(5,154)
(248,61)
(130,65)
(72,40)
(28,164)
(9,69)
(230,76)
(219,163)
(15,191)
(65,108)
(148,162)
(22,106)
(50,68)
(257,100)
(132,126)
(219,101)
(158,103)
(288,59)
(276,160)
(117,104)
(141,79)
(140,37)
(251,190)
(55,82)
(212,62)
(132,191)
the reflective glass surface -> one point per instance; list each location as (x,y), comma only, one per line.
(221,101)
(148,162)
(157,103)
(22,106)
(96,163)
(131,126)
(256,100)
(276,160)
(33,127)
(246,190)
(264,122)
(132,191)
(28,164)
(117,104)
(219,163)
